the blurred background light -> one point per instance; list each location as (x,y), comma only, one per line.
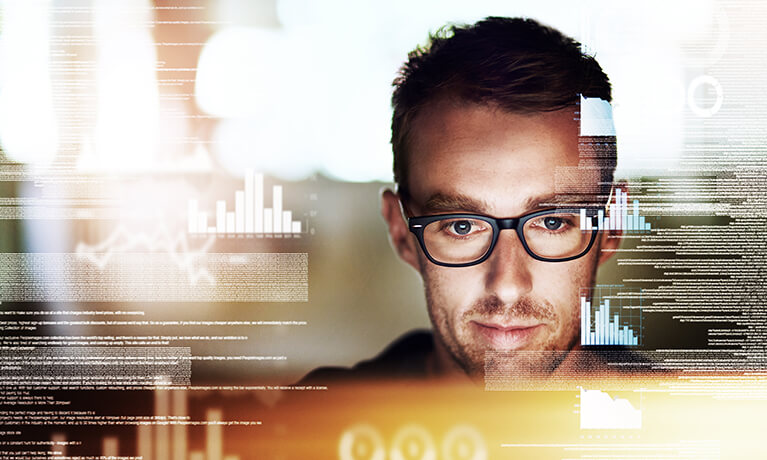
(28,125)
(128,99)
(296,87)
(293,104)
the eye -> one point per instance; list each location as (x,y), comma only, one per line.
(460,227)
(553,223)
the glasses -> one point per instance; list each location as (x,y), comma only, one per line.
(463,240)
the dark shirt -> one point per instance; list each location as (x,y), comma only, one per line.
(405,358)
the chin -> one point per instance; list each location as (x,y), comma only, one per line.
(522,364)
(534,359)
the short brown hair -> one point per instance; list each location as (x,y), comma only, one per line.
(516,64)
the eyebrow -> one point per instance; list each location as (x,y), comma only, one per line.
(441,202)
(574,200)
(444,203)
(555,199)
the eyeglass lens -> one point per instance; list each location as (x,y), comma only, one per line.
(463,240)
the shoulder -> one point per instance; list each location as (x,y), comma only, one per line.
(405,358)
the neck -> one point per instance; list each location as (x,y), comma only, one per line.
(441,365)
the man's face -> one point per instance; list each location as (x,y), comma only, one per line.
(475,159)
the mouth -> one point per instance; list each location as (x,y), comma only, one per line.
(506,337)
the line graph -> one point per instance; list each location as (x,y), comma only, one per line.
(122,240)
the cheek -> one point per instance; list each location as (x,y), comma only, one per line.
(562,280)
(556,284)
(561,286)
(450,291)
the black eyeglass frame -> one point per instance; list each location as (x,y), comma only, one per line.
(417,224)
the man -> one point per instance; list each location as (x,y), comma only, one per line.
(490,188)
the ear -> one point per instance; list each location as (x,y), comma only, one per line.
(399,234)
(610,240)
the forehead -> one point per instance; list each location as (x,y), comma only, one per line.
(504,160)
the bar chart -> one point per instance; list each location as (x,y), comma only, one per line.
(250,215)
(618,217)
(171,441)
(606,324)
(167,437)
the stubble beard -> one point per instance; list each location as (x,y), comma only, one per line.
(475,360)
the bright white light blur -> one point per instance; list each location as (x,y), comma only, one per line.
(294,104)
(28,130)
(266,89)
(314,95)
(357,137)
(648,103)
(245,71)
(128,101)
(254,142)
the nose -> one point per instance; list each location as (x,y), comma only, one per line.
(508,274)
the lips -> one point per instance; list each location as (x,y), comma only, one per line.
(509,337)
